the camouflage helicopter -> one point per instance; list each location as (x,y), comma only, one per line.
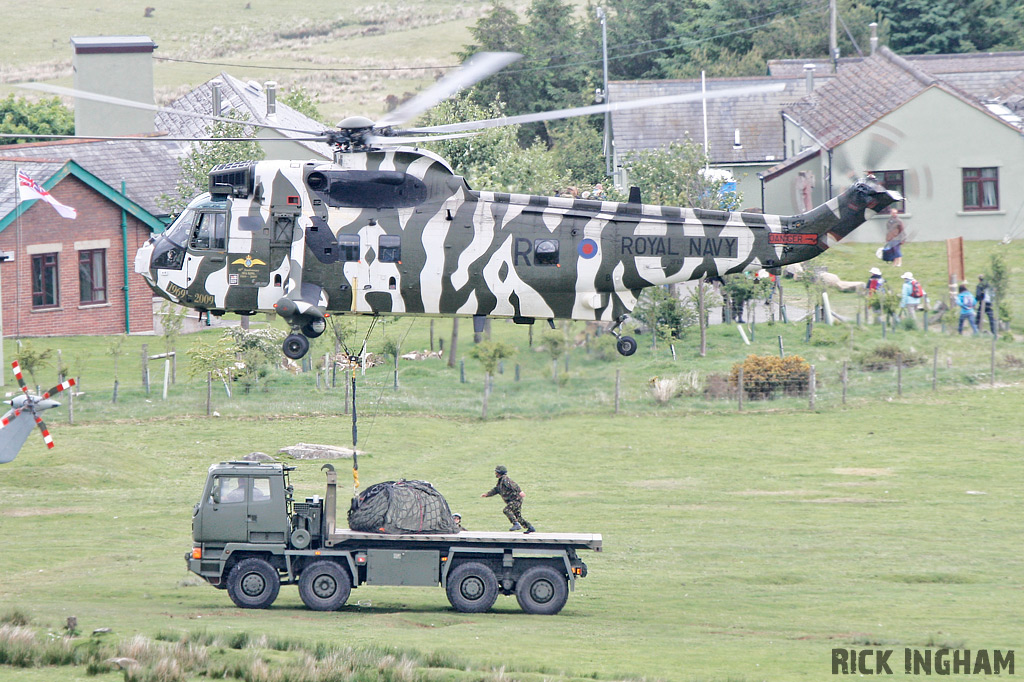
(390,228)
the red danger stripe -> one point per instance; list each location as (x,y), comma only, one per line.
(805,239)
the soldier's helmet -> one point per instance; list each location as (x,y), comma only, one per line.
(500,470)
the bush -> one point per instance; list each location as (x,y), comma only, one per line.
(884,357)
(766,375)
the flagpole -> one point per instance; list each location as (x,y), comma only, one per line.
(17,254)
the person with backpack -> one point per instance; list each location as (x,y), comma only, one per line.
(913,292)
(986,298)
(965,299)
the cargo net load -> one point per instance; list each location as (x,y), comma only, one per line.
(398,507)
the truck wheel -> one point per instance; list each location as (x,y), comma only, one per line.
(542,590)
(472,587)
(324,586)
(253,584)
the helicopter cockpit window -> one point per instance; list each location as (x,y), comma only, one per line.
(389,248)
(545,251)
(209,232)
(348,248)
(179,230)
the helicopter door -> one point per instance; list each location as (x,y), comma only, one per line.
(205,262)
(282,231)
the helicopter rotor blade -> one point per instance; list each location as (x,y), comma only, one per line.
(475,69)
(47,438)
(82,94)
(17,375)
(7,420)
(597,109)
(62,386)
(402,139)
(157,138)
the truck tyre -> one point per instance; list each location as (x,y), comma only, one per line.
(472,587)
(542,590)
(253,584)
(324,586)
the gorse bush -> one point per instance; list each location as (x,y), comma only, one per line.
(764,376)
(885,356)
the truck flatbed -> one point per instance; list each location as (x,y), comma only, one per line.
(591,541)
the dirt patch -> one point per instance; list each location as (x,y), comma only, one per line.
(776,492)
(845,500)
(664,483)
(861,471)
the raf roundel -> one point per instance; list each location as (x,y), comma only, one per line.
(587,248)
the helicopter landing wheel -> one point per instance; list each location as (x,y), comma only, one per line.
(295,346)
(314,328)
(626,345)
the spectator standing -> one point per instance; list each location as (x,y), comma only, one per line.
(986,298)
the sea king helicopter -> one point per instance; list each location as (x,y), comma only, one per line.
(390,228)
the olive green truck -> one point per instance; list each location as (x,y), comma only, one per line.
(250,536)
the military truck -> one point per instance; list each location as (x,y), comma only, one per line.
(250,537)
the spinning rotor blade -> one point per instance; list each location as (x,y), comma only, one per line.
(474,70)
(81,94)
(596,109)
(47,438)
(62,386)
(148,138)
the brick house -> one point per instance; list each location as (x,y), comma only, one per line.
(67,277)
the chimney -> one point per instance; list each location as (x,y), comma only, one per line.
(215,97)
(874,36)
(809,77)
(271,89)
(117,66)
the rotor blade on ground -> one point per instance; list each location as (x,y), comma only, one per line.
(82,94)
(47,438)
(475,69)
(17,375)
(401,139)
(598,109)
(62,386)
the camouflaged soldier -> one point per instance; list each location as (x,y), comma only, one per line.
(513,495)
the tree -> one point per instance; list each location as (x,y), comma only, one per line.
(952,26)
(490,353)
(494,160)
(196,165)
(664,314)
(45,117)
(256,353)
(306,104)
(32,360)
(675,177)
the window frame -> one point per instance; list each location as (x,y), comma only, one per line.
(977,182)
(349,248)
(48,271)
(86,257)
(390,252)
(544,256)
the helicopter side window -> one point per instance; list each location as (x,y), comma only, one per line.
(209,232)
(348,247)
(390,248)
(545,251)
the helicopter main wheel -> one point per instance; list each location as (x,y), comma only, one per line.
(626,345)
(295,346)
(314,328)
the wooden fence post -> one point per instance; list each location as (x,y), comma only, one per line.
(899,374)
(935,369)
(845,377)
(811,386)
(145,367)
(739,391)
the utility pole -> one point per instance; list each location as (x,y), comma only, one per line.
(607,115)
(833,43)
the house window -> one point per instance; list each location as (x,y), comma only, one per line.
(892,179)
(981,189)
(545,252)
(390,249)
(44,281)
(92,275)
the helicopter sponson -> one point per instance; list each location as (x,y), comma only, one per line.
(397,232)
